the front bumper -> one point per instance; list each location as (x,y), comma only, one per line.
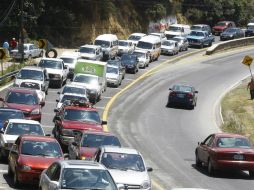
(112,82)
(167,51)
(30,176)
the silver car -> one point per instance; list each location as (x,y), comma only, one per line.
(76,174)
(169,47)
(113,76)
(182,42)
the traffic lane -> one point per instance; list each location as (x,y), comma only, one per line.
(167,137)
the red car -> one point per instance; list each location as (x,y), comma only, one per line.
(225,151)
(25,100)
(30,155)
(222,26)
(85,144)
(75,117)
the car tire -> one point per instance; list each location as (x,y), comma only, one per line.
(198,162)
(16,182)
(210,168)
(251,173)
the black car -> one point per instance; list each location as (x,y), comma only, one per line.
(131,62)
(9,113)
(232,33)
(250,30)
(117,62)
(182,95)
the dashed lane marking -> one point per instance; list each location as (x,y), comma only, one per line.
(106,97)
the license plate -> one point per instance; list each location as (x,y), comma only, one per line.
(238,157)
(180,95)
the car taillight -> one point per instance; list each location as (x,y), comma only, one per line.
(189,95)
(172,94)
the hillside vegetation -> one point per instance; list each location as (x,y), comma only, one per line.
(74,22)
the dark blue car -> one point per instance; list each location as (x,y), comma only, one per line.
(182,95)
(131,62)
(8,113)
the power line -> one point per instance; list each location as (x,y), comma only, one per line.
(8,13)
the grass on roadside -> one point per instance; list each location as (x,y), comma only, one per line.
(238,112)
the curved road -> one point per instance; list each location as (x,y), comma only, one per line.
(167,137)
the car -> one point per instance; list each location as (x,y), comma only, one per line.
(143,58)
(33,74)
(77,174)
(250,30)
(70,59)
(86,143)
(74,89)
(200,38)
(225,151)
(91,52)
(37,86)
(232,33)
(177,30)
(32,154)
(135,37)
(117,62)
(25,100)
(11,131)
(113,76)
(182,42)
(182,94)
(70,97)
(125,46)
(169,47)
(57,71)
(201,27)
(9,113)
(222,26)
(126,165)
(131,63)
(75,116)
(160,35)
(30,51)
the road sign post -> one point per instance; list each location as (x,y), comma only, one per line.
(247,60)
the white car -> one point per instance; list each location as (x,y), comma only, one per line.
(56,70)
(15,127)
(113,76)
(91,52)
(76,174)
(169,47)
(125,46)
(30,51)
(126,165)
(74,89)
(160,35)
(135,37)
(70,96)
(143,57)
(70,59)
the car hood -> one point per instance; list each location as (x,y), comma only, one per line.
(219,27)
(22,107)
(81,125)
(129,177)
(37,162)
(54,71)
(111,75)
(10,138)
(87,152)
(87,55)
(195,37)
(19,81)
(167,47)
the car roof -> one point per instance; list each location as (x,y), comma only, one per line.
(229,135)
(28,121)
(138,34)
(32,68)
(200,25)
(123,150)
(90,46)
(107,37)
(170,41)
(23,90)
(150,39)
(81,164)
(73,94)
(10,109)
(51,59)
(38,138)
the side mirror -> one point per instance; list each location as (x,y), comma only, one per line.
(149,169)
(170,88)
(104,122)
(66,156)
(57,100)
(65,67)
(56,110)
(58,93)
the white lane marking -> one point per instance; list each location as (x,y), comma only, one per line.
(3,171)
(102,108)
(129,79)
(106,97)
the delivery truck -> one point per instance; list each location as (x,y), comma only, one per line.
(91,74)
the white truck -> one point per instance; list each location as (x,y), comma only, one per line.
(91,74)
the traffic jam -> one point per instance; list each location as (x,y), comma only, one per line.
(78,152)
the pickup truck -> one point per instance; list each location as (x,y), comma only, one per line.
(30,51)
(200,38)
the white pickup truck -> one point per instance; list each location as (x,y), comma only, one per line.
(30,51)
(56,70)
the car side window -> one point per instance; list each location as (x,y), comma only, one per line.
(210,142)
(50,171)
(56,174)
(207,140)
(97,157)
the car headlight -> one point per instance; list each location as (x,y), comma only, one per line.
(36,111)
(83,157)
(25,167)
(67,132)
(145,185)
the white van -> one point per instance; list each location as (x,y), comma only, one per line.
(152,44)
(109,45)
(177,30)
(91,52)
(135,37)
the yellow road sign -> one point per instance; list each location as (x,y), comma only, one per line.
(247,60)
(42,43)
(3,53)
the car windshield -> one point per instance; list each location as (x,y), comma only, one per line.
(175,28)
(52,64)
(196,28)
(86,79)
(41,148)
(74,90)
(122,43)
(139,54)
(196,33)
(71,97)
(144,45)
(97,140)
(221,24)
(9,114)
(134,38)
(68,60)
(122,161)
(167,43)
(82,116)
(251,27)
(31,85)
(86,50)
(112,70)
(22,98)
(233,142)
(102,43)
(24,129)
(82,178)
(231,30)
(182,88)
(30,74)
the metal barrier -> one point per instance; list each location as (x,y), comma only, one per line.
(8,75)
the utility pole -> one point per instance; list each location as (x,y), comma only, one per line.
(21,47)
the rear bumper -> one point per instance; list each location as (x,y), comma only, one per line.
(231,164)
(180,101)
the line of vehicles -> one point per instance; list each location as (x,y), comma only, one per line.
(35,157)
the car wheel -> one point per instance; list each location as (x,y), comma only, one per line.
(9,170)
(198,162)
(251,173)
(15,180)
(210,168)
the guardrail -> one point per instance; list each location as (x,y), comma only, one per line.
(230,44)
(8,75)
